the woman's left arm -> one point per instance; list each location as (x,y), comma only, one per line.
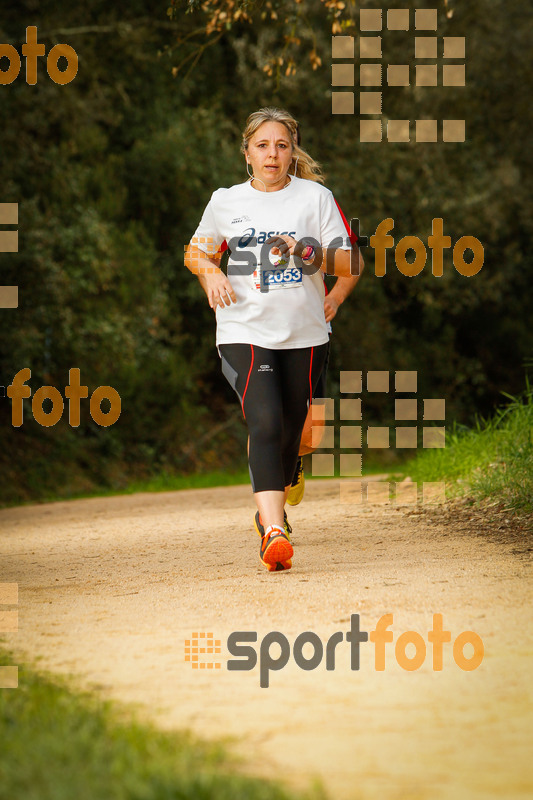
(342,263)
(338,294)
(332,260)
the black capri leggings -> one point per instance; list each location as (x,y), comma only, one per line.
(275,388)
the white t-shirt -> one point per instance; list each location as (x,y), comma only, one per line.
(277,307)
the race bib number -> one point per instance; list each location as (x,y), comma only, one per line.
(267,278)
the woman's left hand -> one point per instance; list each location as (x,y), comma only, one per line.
(282,245)
(330,308)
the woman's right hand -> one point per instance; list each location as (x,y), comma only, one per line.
(218,289)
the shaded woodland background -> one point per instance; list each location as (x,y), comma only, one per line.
(112,173)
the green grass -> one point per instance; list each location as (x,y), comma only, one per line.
(171,483)
(493,460)
(60,744)
(159,483)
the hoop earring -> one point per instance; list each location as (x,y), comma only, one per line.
(248,171)
(296,165)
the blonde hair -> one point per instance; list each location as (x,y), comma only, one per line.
(306,167)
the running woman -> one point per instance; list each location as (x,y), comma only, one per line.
(282,226)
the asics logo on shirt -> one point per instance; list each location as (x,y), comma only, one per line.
(261,236)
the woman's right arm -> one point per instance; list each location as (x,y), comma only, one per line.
(213,281)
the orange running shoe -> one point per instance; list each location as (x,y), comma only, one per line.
(258,525)
(276,551)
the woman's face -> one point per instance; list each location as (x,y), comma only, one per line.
(270,154)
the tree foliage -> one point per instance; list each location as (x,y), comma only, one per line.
(112,171)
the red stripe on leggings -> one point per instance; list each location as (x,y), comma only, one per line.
(247,380)
(310,380)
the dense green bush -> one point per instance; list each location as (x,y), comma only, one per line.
(112,171)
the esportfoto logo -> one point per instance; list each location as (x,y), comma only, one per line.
(239,644)
(409,252)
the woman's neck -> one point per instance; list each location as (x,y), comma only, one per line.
(262,187)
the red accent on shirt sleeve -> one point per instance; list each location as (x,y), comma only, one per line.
(351,235)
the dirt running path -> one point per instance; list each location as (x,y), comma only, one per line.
(109,590)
